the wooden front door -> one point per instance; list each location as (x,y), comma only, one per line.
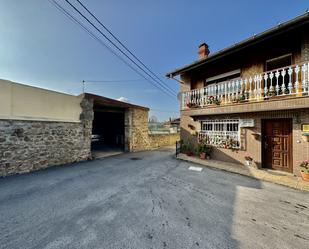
(277,144)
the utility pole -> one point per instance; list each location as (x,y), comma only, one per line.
(83,86)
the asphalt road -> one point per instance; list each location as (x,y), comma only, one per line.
(148,200)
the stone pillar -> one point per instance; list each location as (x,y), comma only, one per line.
(86,118)
(127,129)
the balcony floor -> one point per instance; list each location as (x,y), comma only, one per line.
(280,103)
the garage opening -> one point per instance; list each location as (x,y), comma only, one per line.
(108,134)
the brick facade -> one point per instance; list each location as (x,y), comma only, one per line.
(251,60)
(251,137)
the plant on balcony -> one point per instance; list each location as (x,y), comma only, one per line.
(192,105)
(241,98)
(212,100)
(304,170)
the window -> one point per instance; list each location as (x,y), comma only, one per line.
(214,86)
(279,64)
(223,133)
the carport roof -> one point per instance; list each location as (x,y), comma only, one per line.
(112,102)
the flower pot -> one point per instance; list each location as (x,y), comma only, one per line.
(189,153)
(203,156)
(248,162)
(305,176)
(305,138)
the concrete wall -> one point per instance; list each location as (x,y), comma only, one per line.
(21,102)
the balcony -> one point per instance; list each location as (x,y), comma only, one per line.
(242,95)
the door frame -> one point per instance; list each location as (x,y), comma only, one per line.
(263,121)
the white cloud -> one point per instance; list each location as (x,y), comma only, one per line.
(123,99)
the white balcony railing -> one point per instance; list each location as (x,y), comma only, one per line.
(292,80)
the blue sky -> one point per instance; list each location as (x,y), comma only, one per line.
(40,46)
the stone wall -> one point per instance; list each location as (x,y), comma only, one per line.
(136,129)
(137,137)
(27,145)
(160,140)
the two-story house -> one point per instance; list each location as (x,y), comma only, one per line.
(251,99)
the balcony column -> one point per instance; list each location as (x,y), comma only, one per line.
(246,89)
(225,92)
(259,86)
(202,97)
(265,85)
(277,74)
(206,95)
(283,88)
(271,88)
(250,88)
(229,91)
(296,70)
(232,91)
(290,85)
(241,82)
(304,77)
(255,87)
(236,89)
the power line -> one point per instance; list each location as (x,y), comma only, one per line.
(119,49)
(72,18)
(160,110)
(121,43)
(107,81)
(66,13)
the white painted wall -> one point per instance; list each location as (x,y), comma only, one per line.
(23,102)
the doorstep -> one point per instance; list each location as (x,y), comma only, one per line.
(273,176)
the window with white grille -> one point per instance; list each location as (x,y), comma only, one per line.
(223,133)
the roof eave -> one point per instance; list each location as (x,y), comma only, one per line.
(293,23)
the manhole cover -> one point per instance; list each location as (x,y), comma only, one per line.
(136,158)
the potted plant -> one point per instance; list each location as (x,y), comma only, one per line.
(304,170)
(242,98)
(187,148)
(248,160)
(208,151)
(305,137)
(204,150)
(191,105)
(201,150)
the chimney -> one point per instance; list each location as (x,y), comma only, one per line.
(203,51)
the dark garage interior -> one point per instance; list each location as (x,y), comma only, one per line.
(112,125)
(108,129)
(108,126)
